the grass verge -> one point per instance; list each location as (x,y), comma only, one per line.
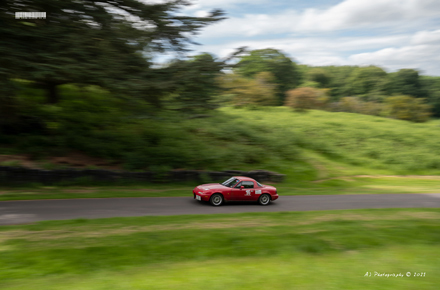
(360,184)
(287,250)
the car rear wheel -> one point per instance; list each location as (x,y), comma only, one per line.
(216,199)
(264,199)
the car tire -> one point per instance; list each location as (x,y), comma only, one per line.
(264,199)
(216,199)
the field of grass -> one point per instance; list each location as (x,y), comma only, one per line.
(361,141)
(287,250)
(341,185)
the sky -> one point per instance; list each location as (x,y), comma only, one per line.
(392,34)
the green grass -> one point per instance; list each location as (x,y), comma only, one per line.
(356,140)
(340,185)
(287,250)
(301,271)
(71,192)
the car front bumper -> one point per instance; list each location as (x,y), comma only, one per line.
(199,196)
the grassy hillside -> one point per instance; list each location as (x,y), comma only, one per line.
(353,141)
(305,146)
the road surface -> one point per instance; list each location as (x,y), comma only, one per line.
(21,212)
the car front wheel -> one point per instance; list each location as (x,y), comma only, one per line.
(216,199)
(264,199)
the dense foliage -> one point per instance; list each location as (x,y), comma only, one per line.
(86,79)
(286,75)
(107,43)
(241,91)
(305,98)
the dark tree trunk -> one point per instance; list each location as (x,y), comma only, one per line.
(52,93)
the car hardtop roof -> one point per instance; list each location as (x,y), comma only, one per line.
(244,178)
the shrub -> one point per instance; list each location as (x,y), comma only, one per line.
(305,98)
(246,92)
(350,104)
(372,108)
(356,105)
(408,108)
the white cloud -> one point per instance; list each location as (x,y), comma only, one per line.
(252,25)
(210,4)
(420,51)
(426,37)
(424,57)
(349,14)
(420,54)
(312,45)
(357,13)
(390,33)
(201,13)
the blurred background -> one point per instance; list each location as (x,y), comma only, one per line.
(341,97)
(123,81)
(116,80)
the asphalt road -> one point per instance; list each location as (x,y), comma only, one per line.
(22,212)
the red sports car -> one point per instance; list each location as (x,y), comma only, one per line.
(234,189)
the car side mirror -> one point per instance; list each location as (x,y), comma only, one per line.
(241,187)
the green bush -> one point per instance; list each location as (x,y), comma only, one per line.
(303,99)
(408,108)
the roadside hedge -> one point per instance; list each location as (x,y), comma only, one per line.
(20,175)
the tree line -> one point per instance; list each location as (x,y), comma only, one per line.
(405,94)
(112,44)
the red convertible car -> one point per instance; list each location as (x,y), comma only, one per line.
(237,188)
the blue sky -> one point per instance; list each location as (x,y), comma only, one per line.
(392,34)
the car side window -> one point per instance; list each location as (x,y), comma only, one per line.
(231,182)
(238,185)
(248,184)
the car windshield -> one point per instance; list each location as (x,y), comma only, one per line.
(230,182)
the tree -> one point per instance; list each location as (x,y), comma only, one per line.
(195,82)
(242,91)
(368,82)
(267,90)
(319,76)
(431,85)
(284,70)
(338,83)
(407,82)
(331,77)
(305,98)
(106,43)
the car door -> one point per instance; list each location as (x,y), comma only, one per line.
(245,193)
(237,192)
(249,190)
